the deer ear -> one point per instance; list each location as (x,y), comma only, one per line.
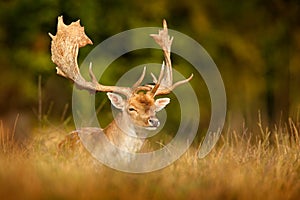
(116,100)
(161,103)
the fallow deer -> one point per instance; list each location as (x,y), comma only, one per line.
(138,109)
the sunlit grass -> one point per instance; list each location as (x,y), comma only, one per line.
(264,165)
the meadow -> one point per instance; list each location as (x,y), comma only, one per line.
(243,165)
(256,46)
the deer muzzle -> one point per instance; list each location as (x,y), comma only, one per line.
(153,122)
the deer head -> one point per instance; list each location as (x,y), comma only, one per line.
(137,103)
(140,108)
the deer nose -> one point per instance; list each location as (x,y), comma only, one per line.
(154,122)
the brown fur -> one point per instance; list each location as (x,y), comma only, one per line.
(141,101)
(145,106)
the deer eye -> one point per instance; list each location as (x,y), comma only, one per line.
(132,109)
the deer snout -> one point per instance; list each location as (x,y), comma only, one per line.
(154,122)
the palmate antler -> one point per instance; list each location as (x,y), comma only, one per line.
(64,49)
(164,84)
(69,38)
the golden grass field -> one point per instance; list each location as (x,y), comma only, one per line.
(264,165)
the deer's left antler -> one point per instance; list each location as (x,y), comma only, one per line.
(164,84)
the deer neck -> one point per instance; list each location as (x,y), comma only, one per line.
(122,133)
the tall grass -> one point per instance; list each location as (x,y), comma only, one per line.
(243,165)
(7,137)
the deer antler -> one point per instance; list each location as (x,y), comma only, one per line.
(69,38)
(164,84)
(64,49)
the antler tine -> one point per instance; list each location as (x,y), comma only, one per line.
(164,84)
(64,49)
(157,84)
(161,74)
(168,90)
(92,75)
(139,81)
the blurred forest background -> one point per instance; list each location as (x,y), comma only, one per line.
(255,44)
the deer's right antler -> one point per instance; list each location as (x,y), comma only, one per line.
(64,49)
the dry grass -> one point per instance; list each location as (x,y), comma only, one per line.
(264,165)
